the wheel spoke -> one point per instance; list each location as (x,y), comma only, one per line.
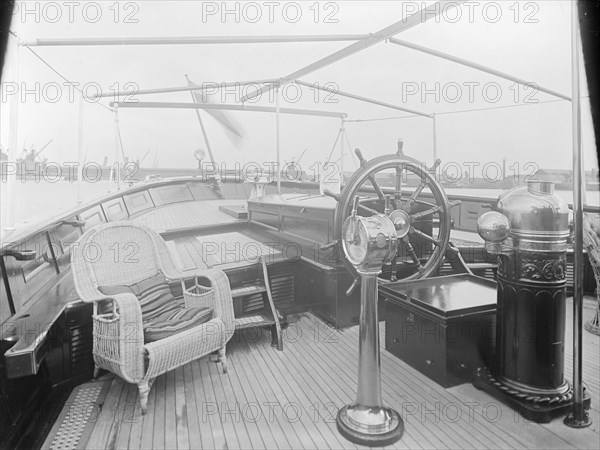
(427,212)
(393,276)
(415,194)
(424,203)
(378,190)
(411,251)
(366,208)
(368,199)
(428,238)
(398,190)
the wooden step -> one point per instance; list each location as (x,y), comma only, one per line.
(248,290)
(482,266)
(252,320)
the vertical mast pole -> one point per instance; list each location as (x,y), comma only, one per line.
(210,153)
(13,129)
(277,113)
(578,417)
(435,152)
(80,151)
(342,151)
(116,170)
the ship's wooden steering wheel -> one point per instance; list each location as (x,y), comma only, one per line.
(418,202)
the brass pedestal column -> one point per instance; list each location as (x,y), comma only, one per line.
(367,421)
(370,242)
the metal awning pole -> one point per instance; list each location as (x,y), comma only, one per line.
(198,87)
(228,107)
(361,98)
(578,417)
(277,114)
(80,151)
(11,178)
(403,24)
(195,40)
(476,66)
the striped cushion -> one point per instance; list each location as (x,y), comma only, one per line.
(153,293)
(162,314)
(155,296)
(173,322)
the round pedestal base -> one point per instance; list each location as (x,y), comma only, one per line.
(573,422)
(370,426)
(593,326)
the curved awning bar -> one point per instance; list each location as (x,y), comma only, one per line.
(192,40)
(477,66)
(198,87)
(363,99)
(404,24)
(268,109)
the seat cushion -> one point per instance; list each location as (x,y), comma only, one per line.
(155,296)
(162,314)
(153,293)
(173,322)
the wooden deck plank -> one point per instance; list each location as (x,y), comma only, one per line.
(181,414)
(428,401)
(194,434)
(411,396)
(158,437)
(318,369)
(148,423)
(343,364)
(347,377)
(331,397)
(135,433)
(238,363)
(240,391)
(99,435)
(270,414)
(118,416)
(170,415)
(206,433)
(325,410)
(286,411)
(313,396)
(279,371)
(235,404)
(278,386)
(226,413)
(125,421)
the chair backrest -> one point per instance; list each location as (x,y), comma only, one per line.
(116,253)
(591,240)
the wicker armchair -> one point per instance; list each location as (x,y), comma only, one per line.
(120,254)
(591,240)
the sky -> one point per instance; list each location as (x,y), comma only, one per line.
(526,128)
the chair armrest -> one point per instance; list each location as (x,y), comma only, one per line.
(119,338)
(223,301)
